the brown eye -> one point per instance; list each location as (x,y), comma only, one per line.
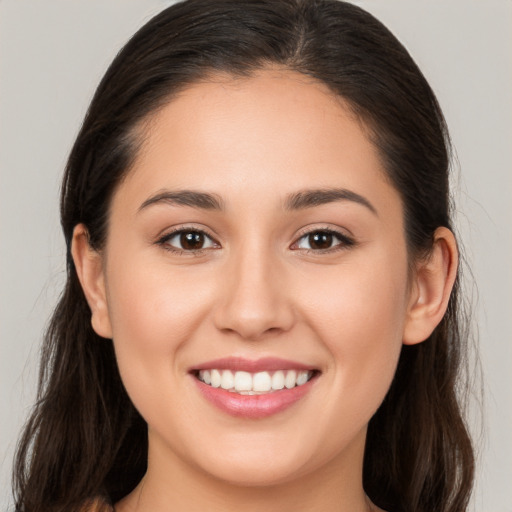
(187,241)
(323,240)
(320,240)
(191,241)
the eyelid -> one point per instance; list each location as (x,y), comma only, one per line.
(167,235)
(346,241)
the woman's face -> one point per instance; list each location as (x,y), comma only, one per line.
(255,236)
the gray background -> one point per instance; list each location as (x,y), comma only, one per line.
(52,54)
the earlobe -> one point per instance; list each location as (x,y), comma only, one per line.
(89,266)
(433,282)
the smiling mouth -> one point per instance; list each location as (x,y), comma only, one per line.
(257,383)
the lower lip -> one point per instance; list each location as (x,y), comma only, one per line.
(253,406)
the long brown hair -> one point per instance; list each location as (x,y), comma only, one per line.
(85,439)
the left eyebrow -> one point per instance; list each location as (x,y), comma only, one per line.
(316,197)
(192,198)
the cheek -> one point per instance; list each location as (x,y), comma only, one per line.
(148,298)
(153,311)
(359,313)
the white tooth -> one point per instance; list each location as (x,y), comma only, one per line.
(278,380)
(205,376)
(302,378)
(243,381)
(261,381)
(291,377)
(215,378)
(227,381)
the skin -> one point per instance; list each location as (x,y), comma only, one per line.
(258,290)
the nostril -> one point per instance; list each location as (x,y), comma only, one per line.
(253,305)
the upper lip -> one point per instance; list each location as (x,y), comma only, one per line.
(252,365)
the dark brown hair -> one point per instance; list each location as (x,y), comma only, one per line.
(85,439)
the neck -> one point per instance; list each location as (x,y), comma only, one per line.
(172,484)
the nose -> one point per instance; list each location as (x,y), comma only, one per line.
(255,300)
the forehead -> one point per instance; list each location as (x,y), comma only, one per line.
(269,133)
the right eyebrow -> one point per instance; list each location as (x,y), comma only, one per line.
(192,198)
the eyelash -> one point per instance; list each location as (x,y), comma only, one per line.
(344,241)
(164,241)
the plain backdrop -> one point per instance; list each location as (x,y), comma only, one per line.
(52,55)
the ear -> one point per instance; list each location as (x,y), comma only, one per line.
(89,267)
(431,288)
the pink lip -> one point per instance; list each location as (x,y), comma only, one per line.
(247,365)
(253,406)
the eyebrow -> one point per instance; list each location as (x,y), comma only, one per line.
(311,198)
(192,198)
(300,200)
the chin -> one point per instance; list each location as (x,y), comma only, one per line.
(259,461)
(264,474)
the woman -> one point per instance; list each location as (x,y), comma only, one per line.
(261,304)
